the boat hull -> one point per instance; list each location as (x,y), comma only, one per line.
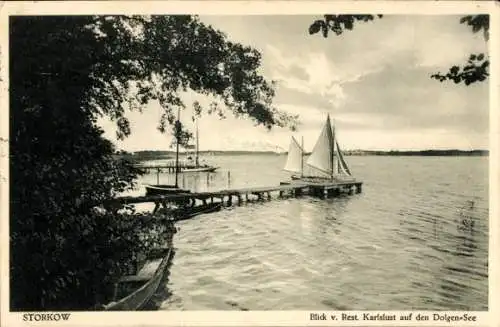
(140,297)
(316,179)
(164,189)
(199,169)
(188,213)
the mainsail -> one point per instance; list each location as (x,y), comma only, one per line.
(326,156)
(322,156)
(294,160)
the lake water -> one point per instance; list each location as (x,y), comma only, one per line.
(405,243)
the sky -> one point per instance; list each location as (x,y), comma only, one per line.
(374,81)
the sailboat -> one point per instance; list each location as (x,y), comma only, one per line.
(166,188)
(197,167)
(326,162)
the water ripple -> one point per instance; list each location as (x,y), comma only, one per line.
(415,239)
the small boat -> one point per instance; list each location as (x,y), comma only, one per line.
(197,167)
(179,167)
(134,291)
(191,212)
(162,189)
(200,168)
(326,162)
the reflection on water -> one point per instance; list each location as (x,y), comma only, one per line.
(415,239)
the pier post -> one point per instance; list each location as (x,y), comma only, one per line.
(157,206)
(228,179)
(358,188)
(229,200)
(158,176)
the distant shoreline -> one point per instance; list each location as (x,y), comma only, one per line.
(151,154)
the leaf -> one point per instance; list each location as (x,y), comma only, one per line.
(465,19)
(315,27)
(480,56)
(454,70)
(348,24)
(324,29)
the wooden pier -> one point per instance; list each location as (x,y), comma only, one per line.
(170,168)
(230,197)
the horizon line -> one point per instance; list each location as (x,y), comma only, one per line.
(345,150)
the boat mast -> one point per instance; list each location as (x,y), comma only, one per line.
(302,158)
(197,163)
(332,149)
(177,137)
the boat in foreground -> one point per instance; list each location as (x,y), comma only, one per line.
(134,291)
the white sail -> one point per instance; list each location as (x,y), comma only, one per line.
(294,159)
(343,169)
(322,155)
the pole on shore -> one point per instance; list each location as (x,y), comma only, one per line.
(177,137)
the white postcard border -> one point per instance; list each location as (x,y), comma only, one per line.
(251,318)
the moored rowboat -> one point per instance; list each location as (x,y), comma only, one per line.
(144,284)
(164,189)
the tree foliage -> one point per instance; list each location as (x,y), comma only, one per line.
(475,70)
(338,23)
(477,67)
(65,72)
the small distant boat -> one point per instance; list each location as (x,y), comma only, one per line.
(197,167)
(200,168)
(159,189)
(134,291)
(326,161)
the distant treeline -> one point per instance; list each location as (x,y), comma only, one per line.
(151,154)
(451,152)
(146,155)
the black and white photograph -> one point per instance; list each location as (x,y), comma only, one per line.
(326,161)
